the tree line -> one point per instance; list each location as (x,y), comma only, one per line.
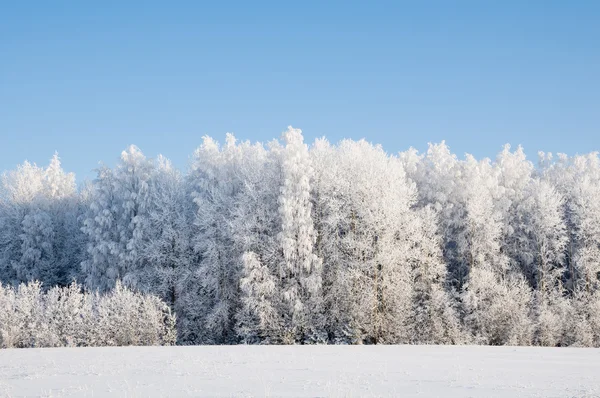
(334,243)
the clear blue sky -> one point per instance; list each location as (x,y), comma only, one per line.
(88,78)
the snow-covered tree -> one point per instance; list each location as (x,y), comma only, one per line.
(167,254)
(40,233)
(301,271)
(577,180)
(215,185)
(256,222)
(514,178)
(117,222)
(585,215)
(545,236)
(466,195)
(496,298)
(257,319)
(433,319)
(331,212)
(101,265)
(439,179)
(363,202)
(133,176)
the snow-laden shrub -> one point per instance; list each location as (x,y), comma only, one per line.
(69,317)
(553,315)
(496,311)
(584,320)
(129,318)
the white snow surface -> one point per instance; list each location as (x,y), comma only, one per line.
(301,371)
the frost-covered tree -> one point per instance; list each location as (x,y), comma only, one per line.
(433,319)
(330,212)
(585,214)
(166,256)
(17,189)
(542,239)
(301,270)
(546,236)
(100,268)
(256,223)
(40,238)
(363,210)
(138,225)
(215,185)
(439,179)
(515,177)
(577,179)
(466,195)
(257,319)
(495,298)
(117,222)
(133,176)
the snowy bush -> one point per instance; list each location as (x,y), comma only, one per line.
(68,317)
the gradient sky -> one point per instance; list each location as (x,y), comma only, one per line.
(88,78)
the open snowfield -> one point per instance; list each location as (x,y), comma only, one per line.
(400,371)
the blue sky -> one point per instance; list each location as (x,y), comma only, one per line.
(89,78)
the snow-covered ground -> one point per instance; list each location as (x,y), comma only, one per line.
(399,371)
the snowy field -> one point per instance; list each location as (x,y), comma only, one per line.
(247,371)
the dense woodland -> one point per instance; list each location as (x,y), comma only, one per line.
(345,244)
